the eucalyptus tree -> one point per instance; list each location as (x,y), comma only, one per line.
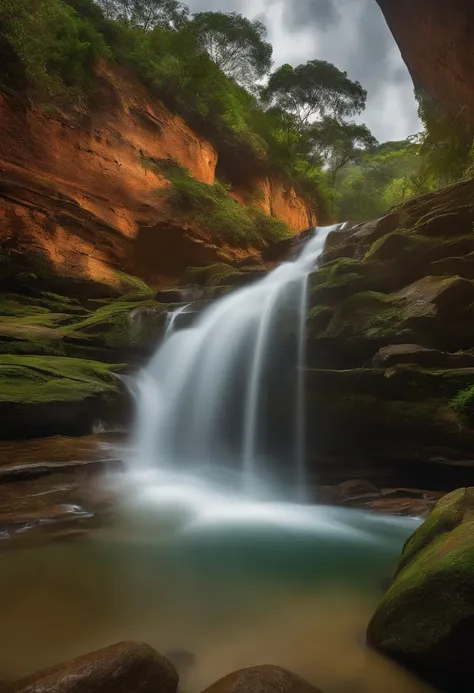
(146,14)
(236,45)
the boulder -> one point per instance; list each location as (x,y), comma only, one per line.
(262,679)
(46,395)
(426,619)
(356,489)
(127,667)
(396,354)
(170,296)
(287,248)
(353,241)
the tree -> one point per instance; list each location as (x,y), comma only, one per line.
(146,14)
(346,143)
(313,91)
(235,44)
(392,173)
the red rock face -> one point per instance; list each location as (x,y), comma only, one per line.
(435,39)
(74,189)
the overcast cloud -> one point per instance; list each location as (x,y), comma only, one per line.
(353,35)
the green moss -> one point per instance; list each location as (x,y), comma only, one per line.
(111,324)
(266,226)
(463,402)
(432,591)
(318,319)
(39,379)
(392,246)
(374,314)
(219,274)
(131,284)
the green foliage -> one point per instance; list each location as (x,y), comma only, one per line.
(382,178)
(146,14)
(447,143)
(56,46)
(236,45)
(312,91)
(216,212)
(463,403)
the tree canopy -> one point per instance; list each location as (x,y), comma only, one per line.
(312,91)
(146,14)
(237,45)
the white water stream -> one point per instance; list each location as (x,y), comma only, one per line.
(188,393)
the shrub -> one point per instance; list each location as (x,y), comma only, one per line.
(463,403)
(56,47)
(216,212)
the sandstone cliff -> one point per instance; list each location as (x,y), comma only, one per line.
(435,39)
(75,190)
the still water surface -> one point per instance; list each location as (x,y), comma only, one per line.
(275,584)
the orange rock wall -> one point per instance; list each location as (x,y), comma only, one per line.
(74,188)
(435,40)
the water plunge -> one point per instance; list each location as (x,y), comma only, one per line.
(200,401)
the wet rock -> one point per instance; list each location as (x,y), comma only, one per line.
(356,489)
(395,354)
(287,248)
(127,667)
(262,679)
(354,240)
(43,396)
(248,276)
(169,296)
(426,619)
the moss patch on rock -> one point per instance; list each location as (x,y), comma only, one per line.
(426,619)
(46,395)
(218,274)
(34,379)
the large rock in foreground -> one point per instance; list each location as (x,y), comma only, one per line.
(262,679)
(123,668)
(426,619)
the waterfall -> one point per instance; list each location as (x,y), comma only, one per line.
(171,318)
(198,401)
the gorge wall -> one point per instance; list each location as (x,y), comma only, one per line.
(75,188)
(435,39)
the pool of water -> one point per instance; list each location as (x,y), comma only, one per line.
(216,583)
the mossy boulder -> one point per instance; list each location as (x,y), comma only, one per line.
(123,329)
(426,619)
(127,329)
(44,395)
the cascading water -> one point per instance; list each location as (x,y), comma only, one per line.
(171,319)
(203,377)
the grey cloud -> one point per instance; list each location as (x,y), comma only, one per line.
(216,5)
(322,13)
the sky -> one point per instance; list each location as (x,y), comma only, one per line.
(354,36)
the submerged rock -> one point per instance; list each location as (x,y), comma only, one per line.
(426,619)
(262,679)
(127,667)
